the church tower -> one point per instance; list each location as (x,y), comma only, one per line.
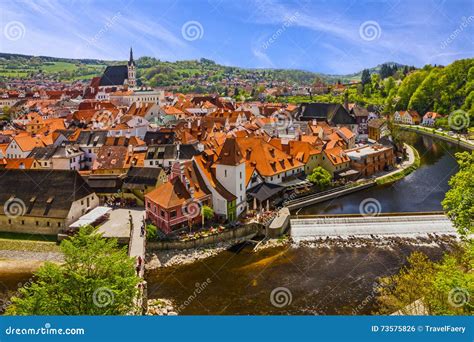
(131,71)
(230,172)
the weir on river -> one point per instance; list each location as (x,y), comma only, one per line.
(332,278)
(328,279)
(394,225)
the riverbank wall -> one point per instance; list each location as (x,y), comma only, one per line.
(405,169)
(242,233)
(443,137)
(317,198)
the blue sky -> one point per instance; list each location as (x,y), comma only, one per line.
(336,37)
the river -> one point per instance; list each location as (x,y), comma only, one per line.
(335,280)
(422,190)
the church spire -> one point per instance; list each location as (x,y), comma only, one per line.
(131,61)
(132,82)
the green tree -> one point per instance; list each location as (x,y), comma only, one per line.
(409,86)
(151,232)
(459,200)
(96,278)
(385,71)
(425,95)
(410,284)
(320,178)
(6,110)
(442,288)
(389,85)
(365,77)
(207,213)
(445,287)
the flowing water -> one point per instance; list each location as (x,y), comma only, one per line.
(310,281)
(335,280)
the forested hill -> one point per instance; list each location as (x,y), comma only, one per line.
(202,75)
(441,89)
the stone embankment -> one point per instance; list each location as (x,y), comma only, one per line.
(165,258)
(161,307)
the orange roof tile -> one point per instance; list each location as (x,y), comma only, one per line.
(170,194)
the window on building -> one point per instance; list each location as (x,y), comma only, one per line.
(225,173)
(173,214)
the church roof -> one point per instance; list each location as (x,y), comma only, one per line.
(114,75)
(332,113)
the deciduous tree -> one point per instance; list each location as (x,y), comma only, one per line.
(96,278)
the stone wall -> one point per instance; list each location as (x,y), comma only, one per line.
(31,225)
(452,140)
(243,232)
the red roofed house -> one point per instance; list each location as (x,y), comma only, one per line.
(335,160)
(177,203)
(430,118)
(409,117)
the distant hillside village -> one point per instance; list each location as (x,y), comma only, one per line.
(68,150)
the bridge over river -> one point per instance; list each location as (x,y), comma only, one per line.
(406,224)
